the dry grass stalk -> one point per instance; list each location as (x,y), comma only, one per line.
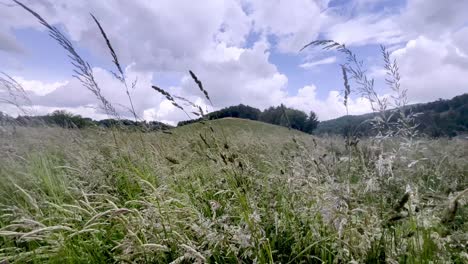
(168,96)
(401,203)
(171,99)
(121,75)
(200,112)
(347,87)
(385,122)
(16,95)
(354,66)
(115,59)
(200,86)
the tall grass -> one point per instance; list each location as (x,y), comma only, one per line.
(270,195)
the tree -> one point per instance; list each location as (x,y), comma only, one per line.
(290,117)
(67,120)
(311,123)
(273,115)
(296,119)
(238,111)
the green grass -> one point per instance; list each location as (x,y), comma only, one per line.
(229,191)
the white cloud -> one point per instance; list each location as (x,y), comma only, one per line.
(158,35)
(39,87)
(367,29)
(294,22)
(433,17)
(13,17)
(332,107)
(250,79)
(71,93)
(432,69)
(328,60)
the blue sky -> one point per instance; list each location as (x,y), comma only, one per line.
(245,51)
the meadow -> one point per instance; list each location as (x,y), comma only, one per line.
(229,191)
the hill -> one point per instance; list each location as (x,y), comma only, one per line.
(280,115)
(227,191)
(435,119)
(233,127)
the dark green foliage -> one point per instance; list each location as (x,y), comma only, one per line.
(444,117)
(284,116)
(238,111)
(67,120)
(57,118)
(435,119)
(311,123)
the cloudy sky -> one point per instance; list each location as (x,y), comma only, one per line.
(244,51)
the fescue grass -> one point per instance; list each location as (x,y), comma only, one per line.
(263,194)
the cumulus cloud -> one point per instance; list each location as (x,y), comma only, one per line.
(71,93)
(429,39)
(432,69)
(294,22)
(250,79)
(433,17)
(38,87)
(156,35)
(306,100)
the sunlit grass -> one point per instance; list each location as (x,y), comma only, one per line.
(251,192)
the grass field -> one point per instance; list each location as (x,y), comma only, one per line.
(229,191)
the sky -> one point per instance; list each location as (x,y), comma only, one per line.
(244,51)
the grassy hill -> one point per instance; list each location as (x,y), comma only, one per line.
(228,191)
(237,128)
(435,119)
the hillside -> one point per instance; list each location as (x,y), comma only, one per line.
(280,115)
(234,127)
(435,119)
(226,191)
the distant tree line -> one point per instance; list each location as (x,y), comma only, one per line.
(440,118)
(65,119)
(279,115)
(447,118)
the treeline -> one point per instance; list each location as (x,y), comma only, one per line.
(440,118)
(279,115)
(68,120)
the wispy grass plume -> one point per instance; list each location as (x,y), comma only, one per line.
(120,75)
(200,86)
(14,93)
(83,71)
